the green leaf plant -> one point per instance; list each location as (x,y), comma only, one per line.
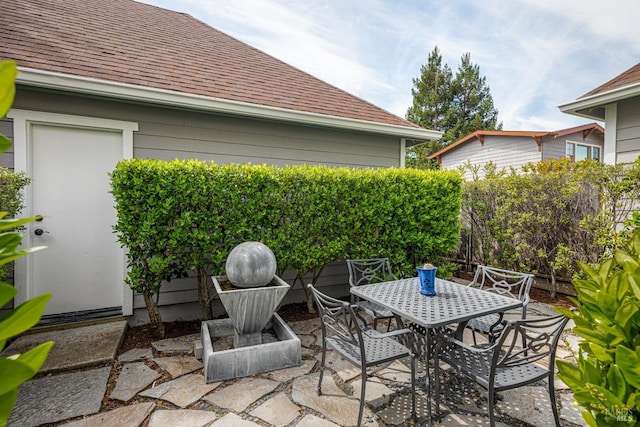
(15,369)
(606,379)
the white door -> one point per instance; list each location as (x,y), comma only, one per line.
(68,159)
(70,189)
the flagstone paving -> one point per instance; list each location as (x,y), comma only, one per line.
(277,411)
(136,354)
(376,393)
(233,420)
(164,386)
(181,392)
(180,345)
(133,415)
(74,347)
(178,365)
(241,394)
(334,403)
(134,378)
(57,398)
(181,417)
(313,421)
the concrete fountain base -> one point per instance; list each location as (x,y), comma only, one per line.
(222,365)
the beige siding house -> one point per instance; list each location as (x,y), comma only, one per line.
(104,81)
(617,103)
(514,149)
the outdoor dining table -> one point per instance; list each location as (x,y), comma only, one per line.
(453,303)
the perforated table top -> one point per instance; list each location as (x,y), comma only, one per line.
(453,303)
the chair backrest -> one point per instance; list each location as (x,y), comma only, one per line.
(540,337)
(337,318)
(505,282)
(366,271)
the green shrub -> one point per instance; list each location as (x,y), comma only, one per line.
(11,201)
(11,184)
(550,216)
(606,380)
(187,215)
(15,370)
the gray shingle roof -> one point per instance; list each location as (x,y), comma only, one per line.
(128,42)
(629,77)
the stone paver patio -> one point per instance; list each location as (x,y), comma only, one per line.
(164,386)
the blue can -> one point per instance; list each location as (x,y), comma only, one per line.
(427,278)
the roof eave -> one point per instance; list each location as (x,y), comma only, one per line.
(481,133)
(105,88)
(590,106)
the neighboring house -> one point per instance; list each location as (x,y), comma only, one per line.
(514,149)
(617,103)
(102,81)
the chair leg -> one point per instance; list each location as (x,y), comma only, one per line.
(322,368)
(414,415)
(491,396)
(552,398)
(436,380)
(363,389)
(375,323)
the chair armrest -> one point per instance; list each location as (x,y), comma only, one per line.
(390,334)
(450,340)
(356,311)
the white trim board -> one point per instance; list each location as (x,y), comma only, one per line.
(70,83)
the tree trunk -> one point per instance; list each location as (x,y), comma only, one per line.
(204,293)
(554,284)
(314,278)
(154,315)
(310,307)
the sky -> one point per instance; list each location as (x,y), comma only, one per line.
(534,54)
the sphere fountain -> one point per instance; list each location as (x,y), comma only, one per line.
(250,293)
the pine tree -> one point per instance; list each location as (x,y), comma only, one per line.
(471,106)
(431,94)
(431,102)
(456,105)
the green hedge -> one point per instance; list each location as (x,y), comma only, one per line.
(11,202)
(551,216)
(187,215)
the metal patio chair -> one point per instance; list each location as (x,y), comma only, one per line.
(507,363)
(343,329)
(365,272)
(504,282)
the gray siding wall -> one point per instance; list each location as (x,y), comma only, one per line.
(555,148)
(6,158)
(168,134)
(504,152)
(628,131)
(6,161)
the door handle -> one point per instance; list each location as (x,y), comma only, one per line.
(40,232)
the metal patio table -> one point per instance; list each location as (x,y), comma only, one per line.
(453,303)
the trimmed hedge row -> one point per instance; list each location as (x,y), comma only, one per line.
(187,215)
